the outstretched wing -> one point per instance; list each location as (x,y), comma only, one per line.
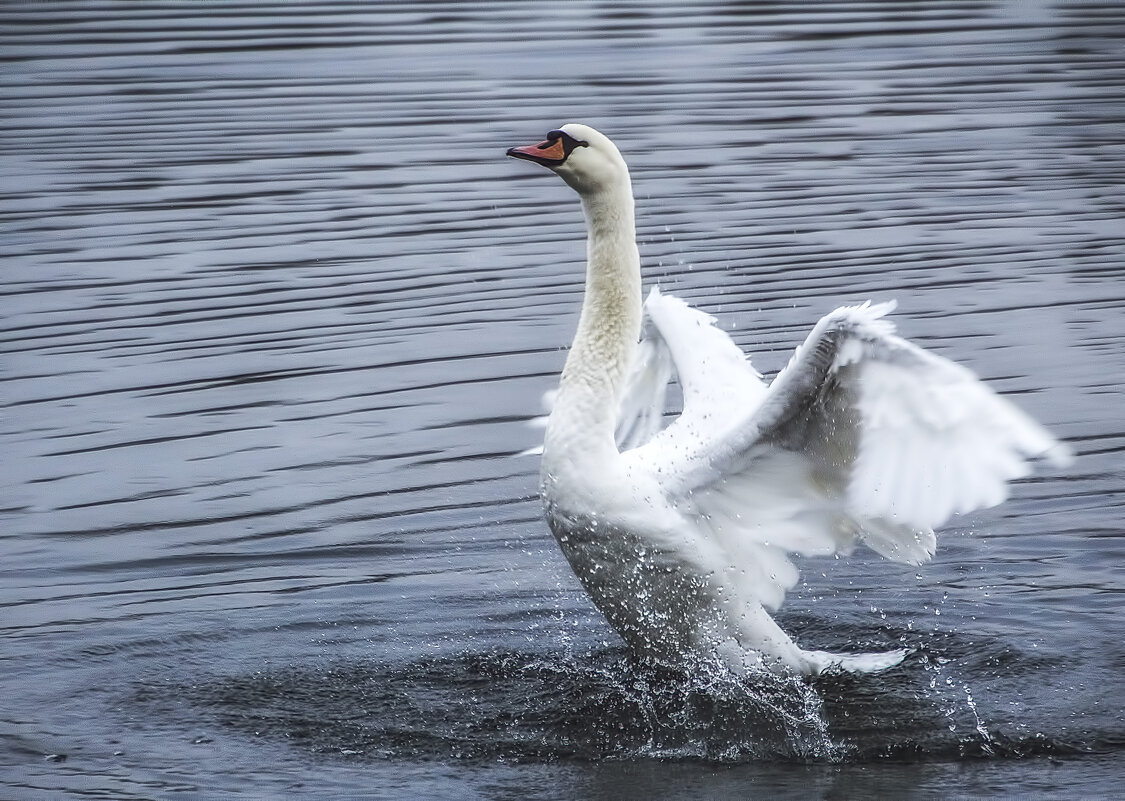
(719,384)
(911,436)
(863,435)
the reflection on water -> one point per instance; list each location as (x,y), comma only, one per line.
(276,307)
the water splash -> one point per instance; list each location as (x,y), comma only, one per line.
(597,705)
(520,707)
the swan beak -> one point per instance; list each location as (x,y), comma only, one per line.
(550,153)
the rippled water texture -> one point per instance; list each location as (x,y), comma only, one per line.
(276,308)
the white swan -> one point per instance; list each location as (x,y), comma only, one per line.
(682,536)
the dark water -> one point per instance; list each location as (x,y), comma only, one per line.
(275,308)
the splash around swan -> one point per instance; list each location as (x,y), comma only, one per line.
(683,534)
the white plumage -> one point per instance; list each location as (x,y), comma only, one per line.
(683,534)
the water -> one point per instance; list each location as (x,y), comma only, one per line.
(276,307)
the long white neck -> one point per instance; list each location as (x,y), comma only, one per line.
(582,422)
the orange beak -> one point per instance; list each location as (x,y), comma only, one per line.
(550,153)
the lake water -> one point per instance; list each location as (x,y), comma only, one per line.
(276,309)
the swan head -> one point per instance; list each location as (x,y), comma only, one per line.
(583,157)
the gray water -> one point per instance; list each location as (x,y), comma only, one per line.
(276,309)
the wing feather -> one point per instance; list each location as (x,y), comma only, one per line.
(641,412)
(862,436)
(719,384)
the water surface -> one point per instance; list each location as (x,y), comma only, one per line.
(276,309)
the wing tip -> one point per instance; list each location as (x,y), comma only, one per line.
(1060,455)
(873,314)
(875,310)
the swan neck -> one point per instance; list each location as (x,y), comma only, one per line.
(608,329)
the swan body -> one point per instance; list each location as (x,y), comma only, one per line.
(683,535)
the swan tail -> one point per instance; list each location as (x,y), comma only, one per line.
(855,663)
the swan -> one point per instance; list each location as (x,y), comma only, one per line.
(684,535)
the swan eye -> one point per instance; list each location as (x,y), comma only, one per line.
(569,143)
